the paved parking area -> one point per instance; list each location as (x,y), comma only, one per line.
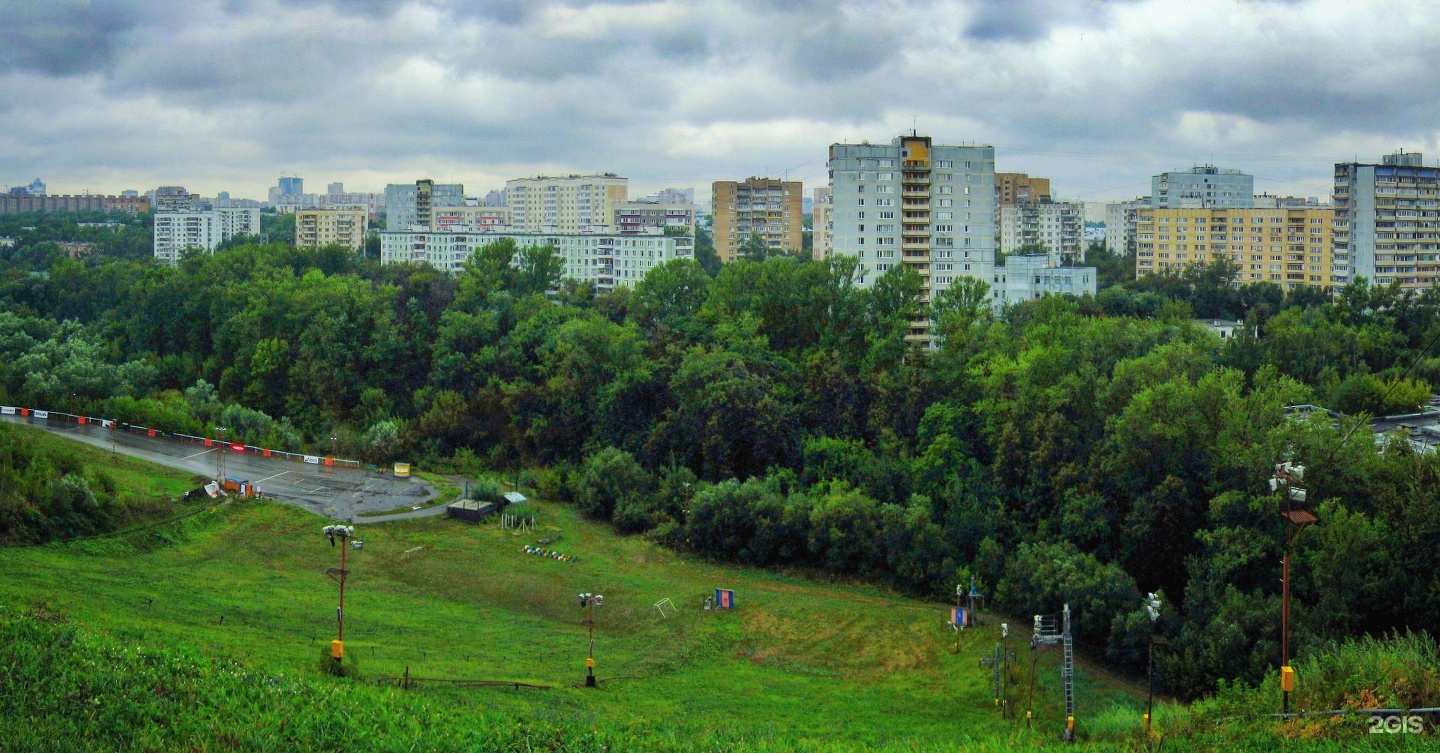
(339,493)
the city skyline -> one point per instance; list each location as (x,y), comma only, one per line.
(1096,96)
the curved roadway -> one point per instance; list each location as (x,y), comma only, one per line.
(339,493)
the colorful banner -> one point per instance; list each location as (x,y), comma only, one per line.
(311,459)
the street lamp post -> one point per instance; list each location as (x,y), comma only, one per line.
(1288,476)
(1152,610)
(591,601)
(343,535)
(220,457)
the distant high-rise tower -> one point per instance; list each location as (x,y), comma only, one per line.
(566,204)
(403,202)
(292,186)
(911,202)
(767,206)
(1385,229)
(1202,187)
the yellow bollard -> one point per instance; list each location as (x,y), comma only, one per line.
(337,649)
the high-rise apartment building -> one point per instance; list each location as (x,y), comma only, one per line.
(174,199)
(820,245)
(204,230)
(1120,225)
(403,202)
(1013,188)
(331,227)
(1055,226)
(1202,186)
(648,215)
(472,217)
(911,202)
(766,206)
(1289,247)
(565,204)
(1387,220)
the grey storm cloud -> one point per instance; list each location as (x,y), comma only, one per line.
(227,94)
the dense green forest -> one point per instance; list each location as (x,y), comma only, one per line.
(1081,451)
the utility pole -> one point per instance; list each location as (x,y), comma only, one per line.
(220,457)
(998,666)
(343,534)
(960,623)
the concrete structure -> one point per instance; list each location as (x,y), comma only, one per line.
(472,217)
(1120,225)
(1202,186)
(1055,226)
(205,230)
(495,199)
(820,243)
(1026,277)
(767,206)
(336,197)
(174,199)
(331,227)
(1013,188)
(1387,221)
(1225,328)
(12,203)
(912,202)
(641,216)
(672,196)
(403,202)
(1289,247)
(607,260)
(565,204)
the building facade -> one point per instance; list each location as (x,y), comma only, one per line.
(1287,247)
(565,204)
(1056,226)
(1013,188)
(766,206)
(1120,225)
(1387,220)
(910,202)
(634,217)
(403,202)
(1026,277)
(473,218)
(12,203)
(331,227)
(175,199)
(607,260)
(820,245)
(1202,186)
(204,230)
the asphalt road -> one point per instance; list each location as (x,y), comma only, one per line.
(339,493)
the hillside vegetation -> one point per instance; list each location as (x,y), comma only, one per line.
(773,414)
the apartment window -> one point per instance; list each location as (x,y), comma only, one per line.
(884,189)
(946,202)
(945,189)
(860,189)
(887,215)
(887,176)
(884,202)
(944,163)
(861,215)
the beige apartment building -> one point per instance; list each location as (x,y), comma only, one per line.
(1289,247)
(820,245)
(771,207)
(565,204)
(1013,188)
(331,227)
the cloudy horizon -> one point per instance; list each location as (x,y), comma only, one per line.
(1095,95)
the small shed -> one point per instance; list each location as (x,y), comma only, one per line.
(515,498)
(469,509)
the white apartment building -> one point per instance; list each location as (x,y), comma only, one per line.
(821,246)
(565,204)
(1203,186)
(472,217)
(331,227)
(1120,225)
(176,232)
(1387,221)
(1026,277)
(910,202)
(607,260)
(408,205)
(645,215)
(1057,227)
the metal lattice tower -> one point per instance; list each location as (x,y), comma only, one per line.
(1046,635)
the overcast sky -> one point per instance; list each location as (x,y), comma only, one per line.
(1098,96)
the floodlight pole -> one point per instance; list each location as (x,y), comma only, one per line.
(339,575)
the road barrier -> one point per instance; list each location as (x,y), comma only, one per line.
(110,423)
